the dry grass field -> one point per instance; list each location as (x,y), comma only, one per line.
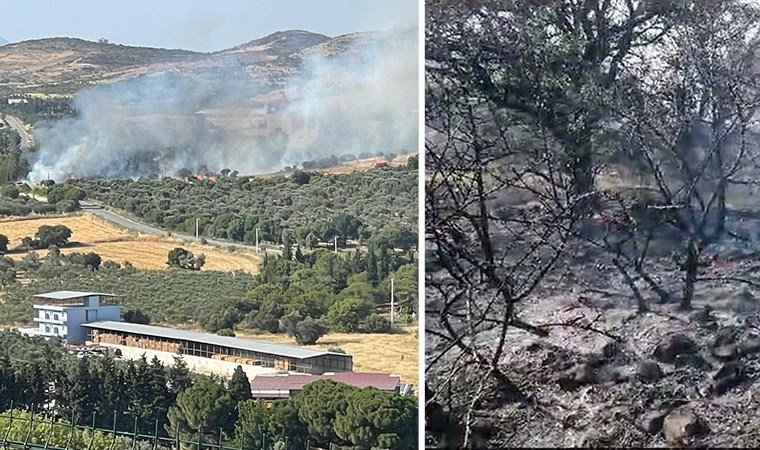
(393,353)
(116,244)
(359,165)
(362,165)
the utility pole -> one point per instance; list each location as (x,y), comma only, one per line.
(336,244)
(197,226)
(257,239)
(392,304)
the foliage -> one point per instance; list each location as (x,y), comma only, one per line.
(56,433)
(136,316)
(91,259)
(239,386)
(202,409)
(33,108)
(9,191)
(23,206)
(184,259)
(61,192)
(346,314)
(318,404)
(279,422)
(376,323)
(57,235)
(325,412)
(175,296)
(3,243)
(12,166)
(234,207)
(306,331)
(378,419)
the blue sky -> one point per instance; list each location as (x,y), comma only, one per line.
(196,25)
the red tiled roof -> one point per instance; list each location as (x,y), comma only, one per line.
(296,382)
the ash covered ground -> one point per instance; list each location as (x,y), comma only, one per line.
(663,377)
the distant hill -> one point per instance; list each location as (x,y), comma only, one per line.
(3,41)
(62,66)
(276,45)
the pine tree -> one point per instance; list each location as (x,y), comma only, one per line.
(203,409)
(7,385)
(179,376)
(161,397)
(240,387)
(115,395)
(78,401)
(138,381)
(33,390)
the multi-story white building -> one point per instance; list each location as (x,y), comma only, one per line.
(62,314)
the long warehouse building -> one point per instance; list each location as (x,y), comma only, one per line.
(242,351)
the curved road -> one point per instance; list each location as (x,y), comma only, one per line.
(143,228)
(18,126)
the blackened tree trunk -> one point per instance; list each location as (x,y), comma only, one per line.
(690,273)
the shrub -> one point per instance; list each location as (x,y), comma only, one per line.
(57,235)
(9,191)
(376,323)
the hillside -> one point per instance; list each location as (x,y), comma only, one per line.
(274,46)
(64,65)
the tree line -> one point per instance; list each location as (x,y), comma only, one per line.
(16,201)
(305,297)
(308,207)
(165,296)
(41,374)
(12,165)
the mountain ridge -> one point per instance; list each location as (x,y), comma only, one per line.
(63,65)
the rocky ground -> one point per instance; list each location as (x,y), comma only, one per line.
(667,378)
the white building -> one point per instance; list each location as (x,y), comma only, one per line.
(62,314)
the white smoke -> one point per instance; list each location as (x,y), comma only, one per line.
(361,101)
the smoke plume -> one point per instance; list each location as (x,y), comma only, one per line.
(363,100)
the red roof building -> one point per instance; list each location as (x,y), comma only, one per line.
(288,385)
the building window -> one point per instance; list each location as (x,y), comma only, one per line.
(47,328)
(47,315)
(55,316)
(55,330)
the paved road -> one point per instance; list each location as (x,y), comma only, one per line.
(17,125)
(143,228)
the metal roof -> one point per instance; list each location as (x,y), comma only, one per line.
(68,295)
(251,345)
(296,382)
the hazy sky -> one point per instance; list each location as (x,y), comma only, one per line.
(196,25)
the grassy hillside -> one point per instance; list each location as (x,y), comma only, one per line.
(62,66)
